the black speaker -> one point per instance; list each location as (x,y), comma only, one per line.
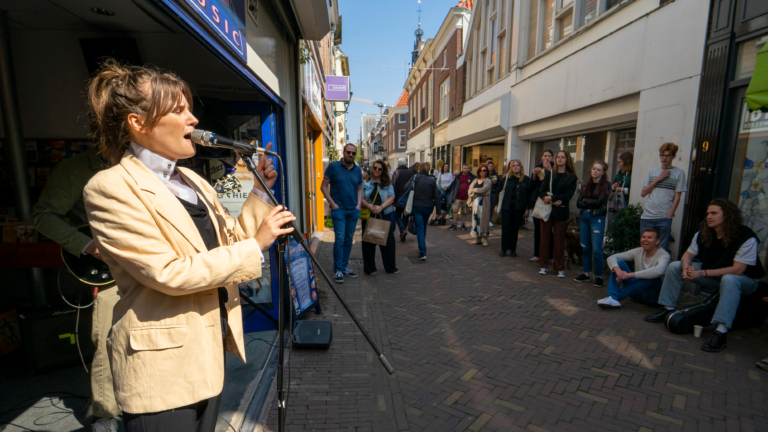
(49,338)
(312,334)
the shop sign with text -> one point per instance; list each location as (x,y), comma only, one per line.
(226,20)
(337,88)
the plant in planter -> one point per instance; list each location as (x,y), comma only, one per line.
(624,231)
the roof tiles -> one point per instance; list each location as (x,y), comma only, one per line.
(403,99)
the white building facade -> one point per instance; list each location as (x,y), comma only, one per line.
(594,78)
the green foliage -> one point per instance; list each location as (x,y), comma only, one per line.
(329,223)
(624,231)
(333,155)
(359,155)
(304,54)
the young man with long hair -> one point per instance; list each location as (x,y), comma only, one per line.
(726,260)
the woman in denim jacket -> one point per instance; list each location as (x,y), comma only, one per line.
(593,201)
(378,197)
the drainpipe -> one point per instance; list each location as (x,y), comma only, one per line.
(15,142)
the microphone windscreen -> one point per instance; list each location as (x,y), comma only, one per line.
(197,136)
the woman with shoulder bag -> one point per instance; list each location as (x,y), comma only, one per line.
(480,201)
(537,178)
(593,202)
(557,189)
(513,205)
(378,197)
(175,253)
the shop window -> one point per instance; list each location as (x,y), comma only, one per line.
(747,56)
(445,88)
(750,174)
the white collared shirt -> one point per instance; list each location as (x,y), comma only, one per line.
(165,170)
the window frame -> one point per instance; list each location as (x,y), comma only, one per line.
(402,136)
(445,94)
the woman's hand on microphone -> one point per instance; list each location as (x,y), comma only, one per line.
(272,227)
(266,169)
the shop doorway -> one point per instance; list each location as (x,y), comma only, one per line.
(742,174)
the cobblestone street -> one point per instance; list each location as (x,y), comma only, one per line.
(484,343)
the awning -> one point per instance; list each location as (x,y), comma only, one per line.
(757,92)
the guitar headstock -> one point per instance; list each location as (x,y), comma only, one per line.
(227,184)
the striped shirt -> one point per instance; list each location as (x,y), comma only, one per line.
(660,200)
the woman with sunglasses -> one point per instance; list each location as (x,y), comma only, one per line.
(513,205)
(480,199)
(378,197)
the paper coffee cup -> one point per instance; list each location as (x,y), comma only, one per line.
(697,330)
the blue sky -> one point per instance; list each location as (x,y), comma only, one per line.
(381,32)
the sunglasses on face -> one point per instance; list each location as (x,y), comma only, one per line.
(377,169)
(483,170)
(665,155)
(351,153)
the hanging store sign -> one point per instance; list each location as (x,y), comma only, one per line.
(226,20)
(337,88)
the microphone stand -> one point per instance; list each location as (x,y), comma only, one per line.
(281,244)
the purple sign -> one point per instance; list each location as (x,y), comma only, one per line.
(337,88)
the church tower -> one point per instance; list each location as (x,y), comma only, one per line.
(418,44)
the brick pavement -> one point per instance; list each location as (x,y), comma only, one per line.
(484,343)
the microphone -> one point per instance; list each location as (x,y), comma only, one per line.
(210,139)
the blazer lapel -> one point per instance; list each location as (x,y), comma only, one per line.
(165,203)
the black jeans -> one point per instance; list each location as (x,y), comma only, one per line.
(510,226)
(197,417)
(387,252)
(537,238)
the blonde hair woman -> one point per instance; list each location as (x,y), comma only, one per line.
(514,205)
(174,252)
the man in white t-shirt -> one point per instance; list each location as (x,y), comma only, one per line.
(727,259)
(665,186)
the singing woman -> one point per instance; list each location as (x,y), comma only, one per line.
(174,252)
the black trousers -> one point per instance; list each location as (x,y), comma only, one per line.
(510,226)
(198,417)
(387,252)
(537,238)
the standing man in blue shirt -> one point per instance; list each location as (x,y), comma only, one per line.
(344,196)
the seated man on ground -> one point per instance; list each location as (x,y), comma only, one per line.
(726,253)
(642,285)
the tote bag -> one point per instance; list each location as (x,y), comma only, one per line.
(376,231)
(542,210)
(408,207)
(616,203)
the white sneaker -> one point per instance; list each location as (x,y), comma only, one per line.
(561,274)
(543,271)
(608,303)
(104,425)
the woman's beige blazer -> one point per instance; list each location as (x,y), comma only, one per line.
(165,345)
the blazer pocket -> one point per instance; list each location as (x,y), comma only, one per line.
(158,338)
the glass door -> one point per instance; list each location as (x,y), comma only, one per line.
(749,173)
